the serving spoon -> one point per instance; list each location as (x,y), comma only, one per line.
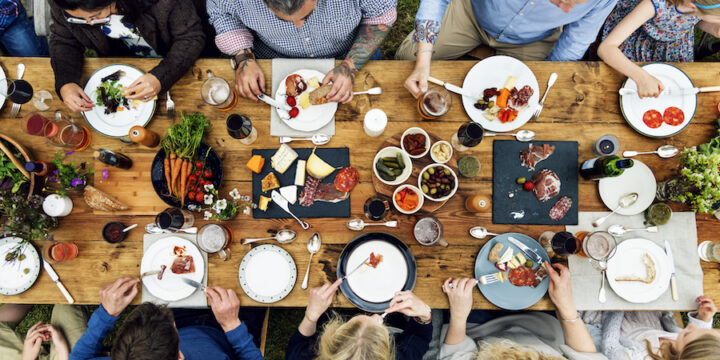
(317,139)
(480,232)
(359,224)
(522,135)
(617,230)
(625,201)
(284,236)
(665,152)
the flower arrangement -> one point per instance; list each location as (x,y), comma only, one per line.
(24,218)
(69,176)
(220,208)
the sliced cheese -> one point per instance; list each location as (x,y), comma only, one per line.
(317,167)
(263,203)
(520,258)
(510,82)
(313,82)
(513,264)
(290,193)
(300,173)
(506,256)
(501,276)
(283,158)
(305,100)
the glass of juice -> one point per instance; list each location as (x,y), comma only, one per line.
(35,124)
(658,214)
(59,251)
(68,134)
(434,103)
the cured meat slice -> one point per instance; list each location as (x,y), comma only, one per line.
(673,116)
(540,275)
(183,264)
(162,271)
(374,260)
(346,179)
(520,98)
(534,154)
(560,208)
(653,119)
(328,193)
(521,276)
(309,192)
(547,184)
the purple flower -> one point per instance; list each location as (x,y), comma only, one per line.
(105,174)
(69,152)
(76,182)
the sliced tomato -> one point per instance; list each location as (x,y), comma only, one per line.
(653,119)
(673,116)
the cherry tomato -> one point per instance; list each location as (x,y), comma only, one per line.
(290,101)
(192,178)
(294,112)
(199,164)
(528,185)
(207,174)
(200,197)
(191,195)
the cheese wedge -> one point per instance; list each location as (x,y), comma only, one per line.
(520,258)
(317,167)
(513,264)
(270,182)
(501,276)
(290,193)
(313,82)
(263,203)
(300,173)
(510,82)
(283,158)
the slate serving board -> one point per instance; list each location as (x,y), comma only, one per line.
(507,167)
(336,157)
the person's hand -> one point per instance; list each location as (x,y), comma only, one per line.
(342,78)
(225,306)
(144,88)
(116,296)
(249,79)
(33,341)
(460,296)
(649,86)
(320,299)
(59,341)
(407,303)
(417,82)
(706,310)
(75,98)
(560,290)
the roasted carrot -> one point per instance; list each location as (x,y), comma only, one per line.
(167,173)
(183,180)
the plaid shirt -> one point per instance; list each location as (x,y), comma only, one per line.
(329,32)
(9,11)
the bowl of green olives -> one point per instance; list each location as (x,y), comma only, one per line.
(438,182)
(392,165)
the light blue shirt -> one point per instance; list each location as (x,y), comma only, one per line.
(524,22)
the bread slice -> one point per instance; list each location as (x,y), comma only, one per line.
(650,272)
(99,200)
(270,182)
(318,96)
(495,253)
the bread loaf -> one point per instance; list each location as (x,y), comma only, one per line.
(99,200)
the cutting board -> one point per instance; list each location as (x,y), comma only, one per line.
(336,157)
(507,167)
(124,185)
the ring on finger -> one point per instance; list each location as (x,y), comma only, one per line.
(451,285)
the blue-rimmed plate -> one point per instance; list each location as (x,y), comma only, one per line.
(633,107)
(504,294)
(19,274)
(267,273)
(371,289)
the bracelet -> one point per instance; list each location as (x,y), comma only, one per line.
(424,322)
(577,317)
(424,51)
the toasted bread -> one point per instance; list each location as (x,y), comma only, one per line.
(270,182)
(99,200)
(649,269)
(495,253)
(318,96)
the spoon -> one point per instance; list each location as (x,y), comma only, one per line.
(480,232)
(284,236)
(522,135)
(130,227)
(154,229)
(665,152)
(603,269)
(359,224)
(317,139)
(625,201)
(373,91)
(313,247)
(618,230)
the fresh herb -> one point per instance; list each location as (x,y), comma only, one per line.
(183,138)
(24,218)
(10,177)
(69,176)
(109,93)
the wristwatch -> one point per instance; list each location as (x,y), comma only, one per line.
(240,57)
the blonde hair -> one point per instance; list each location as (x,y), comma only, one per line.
(715,11)
(705,347)
(509,350)
(354,340)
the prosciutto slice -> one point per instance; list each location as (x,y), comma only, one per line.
(309,192)
(560,208)
(534,154)
(547,185)
(183,264)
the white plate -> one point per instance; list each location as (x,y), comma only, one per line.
(493,72)
(14,280)
(639,178)
(381,283)
(3,87)
(119,123)
(267,273)
(628,261)
(633,107)
(171,287)
(315,116)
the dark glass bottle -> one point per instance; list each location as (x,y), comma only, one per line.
(113,159)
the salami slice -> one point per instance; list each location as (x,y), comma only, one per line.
(560,208)
(346,179)
(653,119)
(521,276)
(673,116)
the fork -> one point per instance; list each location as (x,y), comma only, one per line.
(488,279)
(551,82)
(170,106)
(16,107)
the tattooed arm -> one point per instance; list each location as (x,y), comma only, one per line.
(369,38)
(249,77)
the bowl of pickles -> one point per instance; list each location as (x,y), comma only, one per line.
(438,182)
(392,165)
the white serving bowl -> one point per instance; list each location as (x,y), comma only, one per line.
(441,161)
(415,130)
(393,151)
(421,198)
(452,192)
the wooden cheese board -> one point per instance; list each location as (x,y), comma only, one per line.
(418,164)
(142,200)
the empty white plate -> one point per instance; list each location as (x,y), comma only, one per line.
(639,179)
(267,273)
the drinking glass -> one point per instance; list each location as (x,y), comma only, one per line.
(468,135)
(174,218)
(18,91)
(599,246)
(215,239)
(66,133)
(709,251)
(376,208)
(565,244)
(429,231)
(240,127)
(42,100)
(217,92)
(59,251)
(434,103)
(34,124)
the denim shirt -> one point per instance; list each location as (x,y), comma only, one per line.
(524,22)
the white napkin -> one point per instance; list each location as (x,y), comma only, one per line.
(680,232)
(281,68)
(198,298)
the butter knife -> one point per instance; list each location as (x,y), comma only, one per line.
(454,88)
(270,101)
(56,279)
(356,268)
(673,284)
(674,91)
(530,253)
(194,284)
(283,203)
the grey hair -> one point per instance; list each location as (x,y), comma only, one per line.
(287,7)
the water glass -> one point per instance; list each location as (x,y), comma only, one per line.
(375,122)
(240,127)
(217,92)
(709,251)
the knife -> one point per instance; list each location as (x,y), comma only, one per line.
(674,91)
(530,253)
(282,202)
(194,284)
(56,279)
(673,284)
(356,268)
(270,101)
(454,88)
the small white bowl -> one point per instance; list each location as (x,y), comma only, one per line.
(415,130)
(421,199)
(437,160)
(452,192)
(393,151)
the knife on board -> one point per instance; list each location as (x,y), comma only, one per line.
(283,203)
(673,283)
(56,279)
(530,253)
(453,88)
(194,284)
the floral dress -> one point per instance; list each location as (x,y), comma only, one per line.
(668,36)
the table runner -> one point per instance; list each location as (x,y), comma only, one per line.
(680,232)
(280,69)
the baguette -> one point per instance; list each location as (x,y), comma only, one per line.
(99,200)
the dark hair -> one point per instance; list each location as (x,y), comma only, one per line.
(148,333)
(287,7)
(130,8)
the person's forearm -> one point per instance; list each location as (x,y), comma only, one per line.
(456,330)
(575,332)
(612,56)
(423,56)
(369,38)
(307,327)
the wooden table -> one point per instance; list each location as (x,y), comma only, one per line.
(582,106)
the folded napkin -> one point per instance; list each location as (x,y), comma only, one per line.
(680,232)
(281,68)
(197,299)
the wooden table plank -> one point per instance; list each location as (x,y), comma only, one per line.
(584,99)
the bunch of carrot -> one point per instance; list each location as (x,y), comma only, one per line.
(180,145)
